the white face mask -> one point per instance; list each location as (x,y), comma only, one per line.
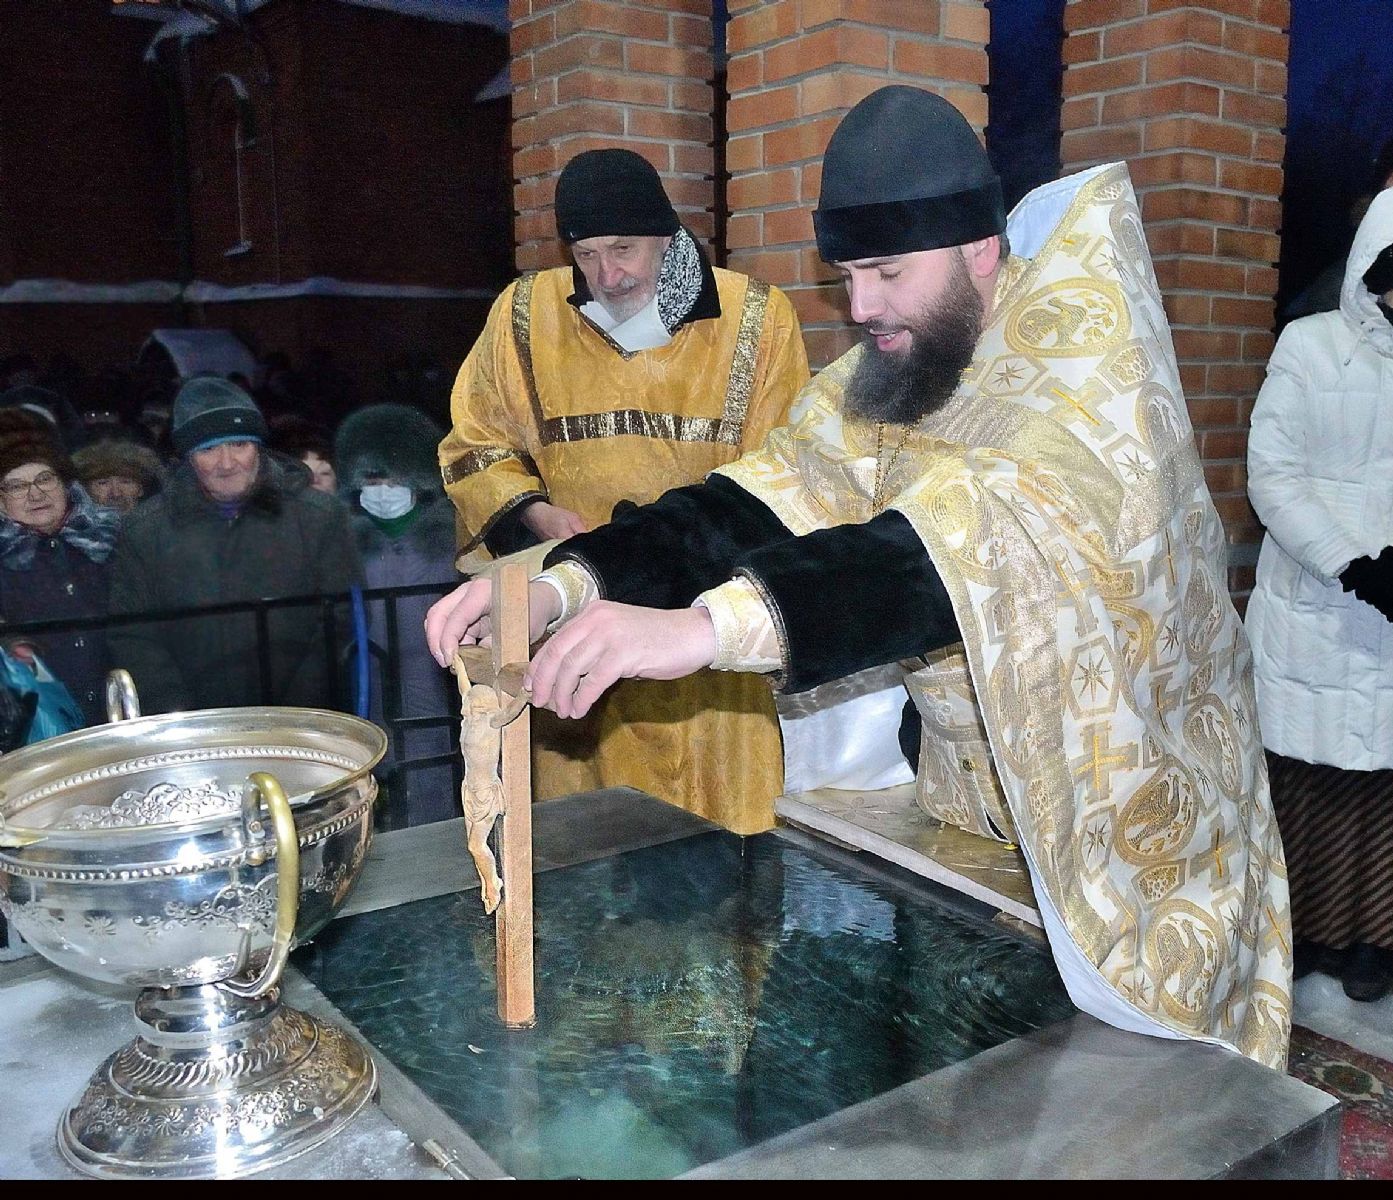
(387,500)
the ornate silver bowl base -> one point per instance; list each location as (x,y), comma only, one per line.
(215,1086)
(165,853)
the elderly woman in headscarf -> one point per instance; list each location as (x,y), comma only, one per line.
(388,475)
(55,555)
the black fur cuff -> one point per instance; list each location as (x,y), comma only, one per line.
(665,554)
(852,597)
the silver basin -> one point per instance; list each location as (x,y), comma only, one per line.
(186,855)
(161,896)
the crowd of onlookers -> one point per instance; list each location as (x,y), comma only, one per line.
(218,494)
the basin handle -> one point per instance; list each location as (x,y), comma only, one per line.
(263,786)
(121,701)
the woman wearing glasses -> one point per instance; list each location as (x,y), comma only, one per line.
(55,556)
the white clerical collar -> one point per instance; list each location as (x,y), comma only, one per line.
(643,331)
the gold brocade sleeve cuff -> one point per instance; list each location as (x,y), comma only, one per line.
(746,638)
(574,584)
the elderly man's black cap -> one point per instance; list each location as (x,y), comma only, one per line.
(904,172)
(612,193)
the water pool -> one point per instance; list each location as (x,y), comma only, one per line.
(694,998)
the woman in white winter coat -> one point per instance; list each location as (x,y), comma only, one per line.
(1320,476)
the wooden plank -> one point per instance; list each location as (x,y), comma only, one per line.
(479,662)
(517,1006)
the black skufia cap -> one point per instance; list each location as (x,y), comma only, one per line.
(905,172)
(609,193)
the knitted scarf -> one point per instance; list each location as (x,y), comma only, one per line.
(679,280)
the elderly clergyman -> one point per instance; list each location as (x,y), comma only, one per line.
(999,490)
(639,370)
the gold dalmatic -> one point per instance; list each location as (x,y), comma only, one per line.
(547,404)
(1100,709)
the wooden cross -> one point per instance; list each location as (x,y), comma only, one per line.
(503,667)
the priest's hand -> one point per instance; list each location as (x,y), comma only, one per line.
(464,617)
(548,521)
(608,642)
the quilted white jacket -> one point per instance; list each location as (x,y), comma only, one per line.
(1320,475)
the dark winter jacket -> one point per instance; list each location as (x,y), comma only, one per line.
(423,553)
(178,551)
(65,576)
(397,442)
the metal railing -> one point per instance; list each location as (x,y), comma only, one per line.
(339,634)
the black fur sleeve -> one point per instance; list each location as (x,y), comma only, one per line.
(665,554)
(852,597)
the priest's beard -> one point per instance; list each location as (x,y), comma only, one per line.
(903,389)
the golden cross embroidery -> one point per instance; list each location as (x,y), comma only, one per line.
(1102,761)
(1277,930)
(1076,406)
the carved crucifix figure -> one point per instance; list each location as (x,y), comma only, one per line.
(482,717)
(495,725)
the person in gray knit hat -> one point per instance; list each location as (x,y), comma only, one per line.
(405,532)
(235,522)
(211,411)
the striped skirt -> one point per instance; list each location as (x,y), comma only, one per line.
(1337,829)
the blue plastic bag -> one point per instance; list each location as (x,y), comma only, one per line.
(56,712)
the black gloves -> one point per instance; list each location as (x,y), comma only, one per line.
(1371,580)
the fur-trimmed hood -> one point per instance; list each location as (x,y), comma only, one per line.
(89,529)
(390,440)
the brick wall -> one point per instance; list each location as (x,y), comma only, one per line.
(372,160)
(86,171)
(1193,97)
(589,74)
(795,67)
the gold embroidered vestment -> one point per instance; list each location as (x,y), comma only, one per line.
(1100,710)
(547,404)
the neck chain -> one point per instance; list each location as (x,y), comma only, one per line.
(884,470)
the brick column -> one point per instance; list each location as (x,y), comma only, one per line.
(795,67)
(594,73)
(1194,97)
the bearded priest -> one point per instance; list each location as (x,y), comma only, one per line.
(999,490)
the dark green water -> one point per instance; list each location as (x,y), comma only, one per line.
(693,999)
